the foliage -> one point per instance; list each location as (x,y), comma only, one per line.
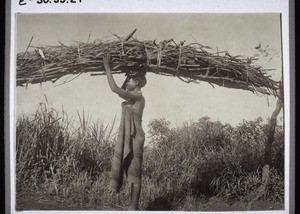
(182,166)
(50,149)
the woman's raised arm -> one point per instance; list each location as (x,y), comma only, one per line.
(133,95)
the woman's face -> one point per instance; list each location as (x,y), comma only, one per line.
(131,84)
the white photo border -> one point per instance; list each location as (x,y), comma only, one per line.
(143,6)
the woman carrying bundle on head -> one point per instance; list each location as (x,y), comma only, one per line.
(128,153)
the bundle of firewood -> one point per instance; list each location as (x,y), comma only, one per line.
(189,62)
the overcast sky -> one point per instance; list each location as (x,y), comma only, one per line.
(165,96)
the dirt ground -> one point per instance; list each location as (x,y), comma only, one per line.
(36,201)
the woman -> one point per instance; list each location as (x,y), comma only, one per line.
(128,154)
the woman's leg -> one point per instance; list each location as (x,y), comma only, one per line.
(135,195)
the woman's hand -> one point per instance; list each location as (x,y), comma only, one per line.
(106,61)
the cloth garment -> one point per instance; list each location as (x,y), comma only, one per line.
(128,154)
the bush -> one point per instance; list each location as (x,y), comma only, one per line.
(208,158)
(241,185)
(182,165)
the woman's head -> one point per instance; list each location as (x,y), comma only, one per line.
(140,79)
(132,82)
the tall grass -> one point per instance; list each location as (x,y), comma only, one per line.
(49,147)
(182,167)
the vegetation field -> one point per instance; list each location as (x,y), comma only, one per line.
(198,165)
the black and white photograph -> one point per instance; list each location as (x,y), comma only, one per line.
(149,112)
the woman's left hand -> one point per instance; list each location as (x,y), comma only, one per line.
(106,60)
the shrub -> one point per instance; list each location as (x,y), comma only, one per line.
(208,158)
(181,166)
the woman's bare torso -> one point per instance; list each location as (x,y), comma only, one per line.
(136,105)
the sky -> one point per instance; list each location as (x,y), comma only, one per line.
(166,97)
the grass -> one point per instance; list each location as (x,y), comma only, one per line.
(183,166)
